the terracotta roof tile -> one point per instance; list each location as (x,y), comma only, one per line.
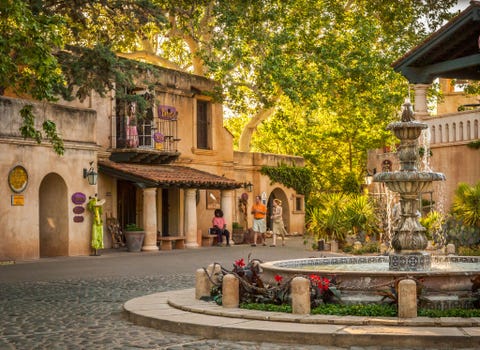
(166,175)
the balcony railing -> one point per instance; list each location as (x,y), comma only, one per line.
(144,143)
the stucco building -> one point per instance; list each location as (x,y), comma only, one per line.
(167,172)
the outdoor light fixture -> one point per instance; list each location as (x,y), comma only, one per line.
(90,175)
(248,186)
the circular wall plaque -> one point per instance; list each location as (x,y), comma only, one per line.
(78,210)
(79,198)
(18,179)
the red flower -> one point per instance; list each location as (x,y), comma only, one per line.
(322,283)
(278,278)
(239,263)
(325,284)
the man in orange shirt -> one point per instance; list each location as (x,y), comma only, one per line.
(259,211)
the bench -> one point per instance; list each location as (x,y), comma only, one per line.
(170,242)
(208,240)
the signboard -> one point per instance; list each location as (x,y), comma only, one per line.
(167,112)
(18,200)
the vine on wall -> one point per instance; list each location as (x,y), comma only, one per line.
(300,179)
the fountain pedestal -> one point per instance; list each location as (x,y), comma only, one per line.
(409,240)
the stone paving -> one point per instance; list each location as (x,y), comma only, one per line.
(86,312)
(76,314)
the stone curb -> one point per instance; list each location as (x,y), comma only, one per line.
(179,312)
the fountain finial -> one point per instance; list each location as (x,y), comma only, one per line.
(407,113)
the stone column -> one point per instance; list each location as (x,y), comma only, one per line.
(190,218)
(407,298)
(230,291)
(420,106)
(150,219)
(300,296)
(226,204)
(202,284)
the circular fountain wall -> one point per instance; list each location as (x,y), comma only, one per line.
(448,274)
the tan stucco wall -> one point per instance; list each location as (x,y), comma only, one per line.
(459,163)
(451,99)
(19,225)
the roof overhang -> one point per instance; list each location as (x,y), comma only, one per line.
(451,52)
(165,176)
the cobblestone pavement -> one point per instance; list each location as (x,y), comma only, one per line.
(77,314)
(86,313)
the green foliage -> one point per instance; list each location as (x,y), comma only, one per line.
(449,313)
(133,227)
(333,215)
(469,251)
(433,222)
(379,310)
(466,204)
(266,307)
(298,178)
(328,220)
(458,233)
(50,49)
(474,144)
(351,184)
(367,248)
(371,310)
(360,214)
(28,129)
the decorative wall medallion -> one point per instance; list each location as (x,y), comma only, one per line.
(78,219)
(78,210)
(18,179)
(158,137)
(79,198)
(167,112)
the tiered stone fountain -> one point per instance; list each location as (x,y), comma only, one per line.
(409,240)
(446,280)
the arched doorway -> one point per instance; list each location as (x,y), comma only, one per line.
(53,221)
(278,193)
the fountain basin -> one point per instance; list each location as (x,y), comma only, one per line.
(371,273)
(407,130)
(408,181)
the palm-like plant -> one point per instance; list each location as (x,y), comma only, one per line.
(328,220)
(360,214)
(466,204)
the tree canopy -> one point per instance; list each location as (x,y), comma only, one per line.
(302,77)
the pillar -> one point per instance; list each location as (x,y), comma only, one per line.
(202,284)
(226,203)
(300,293)
(150,219)
(191,218)
(230,291)
(420,106)
(407,298)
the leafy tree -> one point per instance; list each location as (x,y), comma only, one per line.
(328,59)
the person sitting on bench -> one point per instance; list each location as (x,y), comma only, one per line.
(220,227)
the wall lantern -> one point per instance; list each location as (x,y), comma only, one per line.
(90,175)
(248,186)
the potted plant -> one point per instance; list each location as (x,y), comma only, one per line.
(134,236)
(237,233)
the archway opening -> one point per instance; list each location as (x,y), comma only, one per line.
(53,221)
(278,193)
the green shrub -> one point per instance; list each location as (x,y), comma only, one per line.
(469,251)
(373,310)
